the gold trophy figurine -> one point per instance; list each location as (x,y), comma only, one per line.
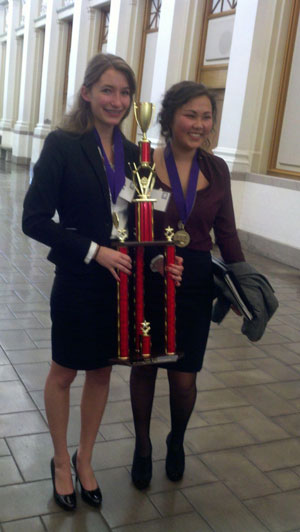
(143,114)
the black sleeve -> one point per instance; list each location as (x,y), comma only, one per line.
(44,198)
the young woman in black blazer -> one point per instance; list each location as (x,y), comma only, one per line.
(81,175)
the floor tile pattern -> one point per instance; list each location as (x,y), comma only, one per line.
(242,445)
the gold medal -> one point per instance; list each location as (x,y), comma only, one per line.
(181,237)
(115,219)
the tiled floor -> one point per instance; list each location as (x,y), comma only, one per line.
(242,445)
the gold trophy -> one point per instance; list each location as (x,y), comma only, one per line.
(143,114)
(134,331)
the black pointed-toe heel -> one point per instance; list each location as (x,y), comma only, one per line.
(91,497)
(67,502)
(175,460)
(141,471)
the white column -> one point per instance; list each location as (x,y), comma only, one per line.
(49,79)
(2,19)
(23,128)
(124,32)
(173,51)
(120,27)
(10,86)
(2,54)
(246,77)
(79,48)
(173,26)
(2,73)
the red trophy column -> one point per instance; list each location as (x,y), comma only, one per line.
(145,152)
(139,294)
(144,207)
(144,221)
(170,303)
(144,233)
(145,340)
(123,324)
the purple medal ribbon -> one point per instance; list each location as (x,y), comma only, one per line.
(183,204)
(116,176)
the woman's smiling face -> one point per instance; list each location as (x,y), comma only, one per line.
(109,98)
(192,123)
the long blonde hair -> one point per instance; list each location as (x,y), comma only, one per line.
(80,119)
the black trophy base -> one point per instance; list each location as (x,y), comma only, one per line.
(149,361)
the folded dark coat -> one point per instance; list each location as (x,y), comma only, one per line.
(259,293)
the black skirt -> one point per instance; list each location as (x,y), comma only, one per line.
(193,310)
(84,320)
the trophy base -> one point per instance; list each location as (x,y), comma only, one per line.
(150,361)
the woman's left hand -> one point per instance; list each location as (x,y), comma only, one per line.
(176,270)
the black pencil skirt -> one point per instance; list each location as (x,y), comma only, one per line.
(193,310)
(84,320)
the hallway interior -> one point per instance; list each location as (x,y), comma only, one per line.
(242,445)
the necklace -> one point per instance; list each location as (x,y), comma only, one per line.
(183,204)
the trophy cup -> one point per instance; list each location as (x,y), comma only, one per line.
(143,115)
(137,350)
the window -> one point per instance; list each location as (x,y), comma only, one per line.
(104,25)
(285,156)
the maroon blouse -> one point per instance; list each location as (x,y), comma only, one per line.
(213,208)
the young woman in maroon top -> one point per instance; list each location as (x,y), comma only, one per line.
(200,200)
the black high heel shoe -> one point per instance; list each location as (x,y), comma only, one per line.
(141,471)
(67,502)
(175,460)
(91,497)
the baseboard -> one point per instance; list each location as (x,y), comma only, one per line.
(270,248)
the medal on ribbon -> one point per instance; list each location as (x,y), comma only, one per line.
(181,237)
(115,219)
(183,204)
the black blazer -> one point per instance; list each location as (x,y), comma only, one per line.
(70,177)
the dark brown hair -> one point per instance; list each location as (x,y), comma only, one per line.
(178,95)
(80,119)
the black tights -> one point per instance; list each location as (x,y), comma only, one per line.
(183,394)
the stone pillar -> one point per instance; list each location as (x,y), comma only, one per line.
(10,86)
(173,28)
(2,73)
(124,38)
(23,128)
(79,48)
(2,53)
(49,79)
(120,27)
(247,71)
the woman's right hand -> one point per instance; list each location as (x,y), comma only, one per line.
(113,260)
(176,269)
